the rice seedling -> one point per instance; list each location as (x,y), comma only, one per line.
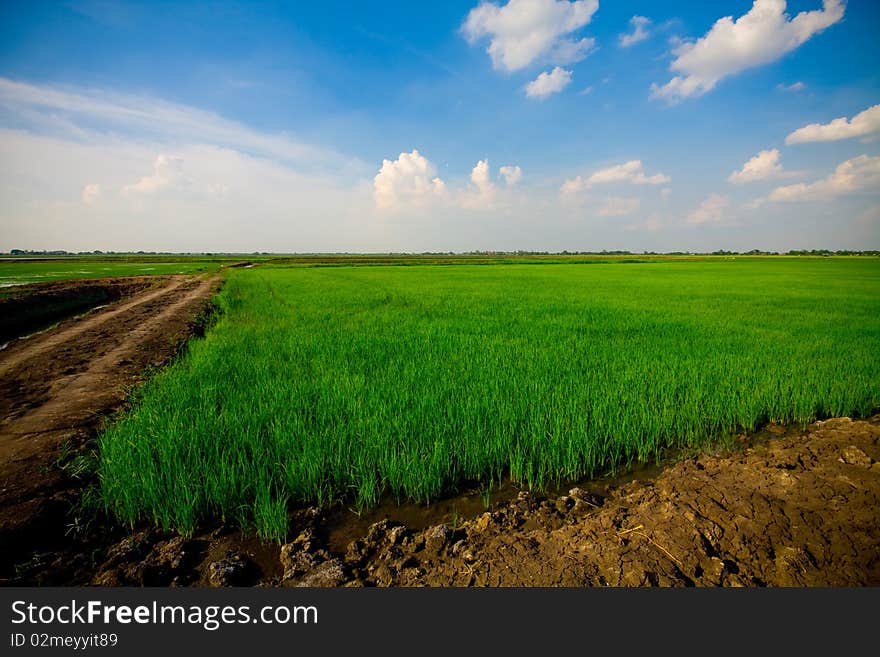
(320,384)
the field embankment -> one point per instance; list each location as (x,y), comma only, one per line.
(28,308)
(55,390)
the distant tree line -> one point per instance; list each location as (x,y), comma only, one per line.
(720,252)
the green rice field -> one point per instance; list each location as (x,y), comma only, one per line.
(18,271)
(317,384)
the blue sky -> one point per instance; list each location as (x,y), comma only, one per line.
(385,126)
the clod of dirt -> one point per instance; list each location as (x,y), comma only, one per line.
(330,573)
(436,538)
(854,456)
(234,570)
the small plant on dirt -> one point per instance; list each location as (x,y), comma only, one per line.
(454,523)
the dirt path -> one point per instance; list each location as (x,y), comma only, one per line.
(58,385)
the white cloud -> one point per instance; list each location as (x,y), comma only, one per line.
(167,172)
(91,193)
(483,193)
(410,180)
(482,190)
(511,174)
(573,186)
(548,83)
(865,124)
(859,173)
(150,117)
(266,205)
(631,172)
(665,193)
(761,36)
(764,166)
(523,31)
(795,86)
(710,211)
(615,206)
(586,91)
(639,33)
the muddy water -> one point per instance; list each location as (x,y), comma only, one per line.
(344,524)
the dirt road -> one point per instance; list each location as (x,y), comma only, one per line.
(57,386)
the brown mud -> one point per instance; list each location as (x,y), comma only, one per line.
(57,387)
(784,507)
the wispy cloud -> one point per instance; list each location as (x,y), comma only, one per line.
(640,32)
(145,116)
(711,210)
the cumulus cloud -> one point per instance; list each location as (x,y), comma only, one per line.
(523,31)
(865,124)
(710,211)
(629,172)
(410,180)
(761,36)
(615,206)
(548,83)
(482,190)
(795,86)
(511,174)
(859,173)
(640,32)
(764,166)
(167,172)
(91,193)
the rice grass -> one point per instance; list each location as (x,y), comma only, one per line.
(320,384)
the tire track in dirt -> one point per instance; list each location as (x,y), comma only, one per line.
(82,390)
(24,350)
(57,388)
